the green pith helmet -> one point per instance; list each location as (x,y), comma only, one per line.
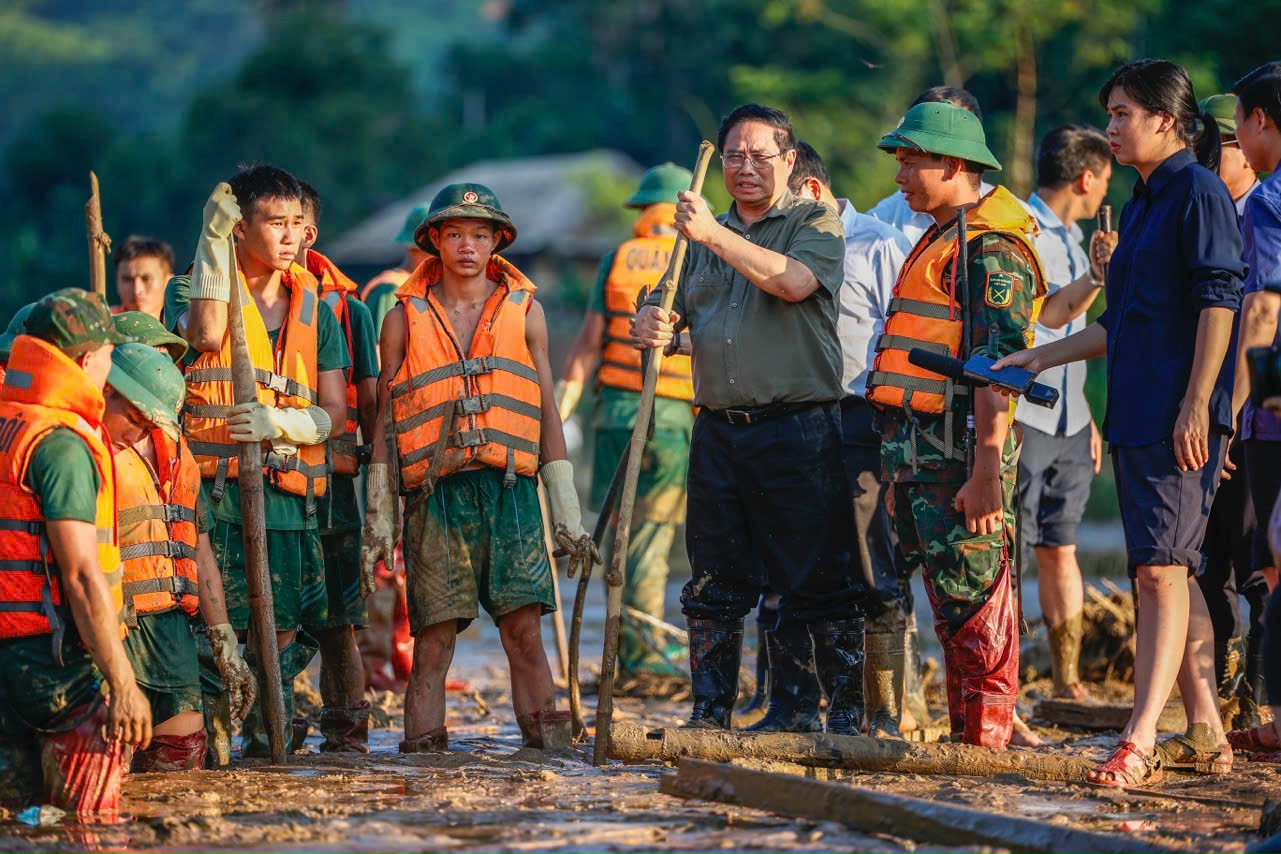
(147,330)
(942,128)
(17,325)
(147,378)
(412,220)
(660,184)
(466,201)
(1224,110)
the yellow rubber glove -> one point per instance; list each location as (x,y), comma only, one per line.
(233,668)
(558,479)
(567,397)
(378,541)
(210,273)
(254,422)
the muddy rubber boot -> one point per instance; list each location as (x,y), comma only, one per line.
(434,741)
(884,670)
(838,659)
(345,729)
(794,688)
(171,753)
(1065,653)
(715,649)
(913,695)
(759,703)
(217,708)
(546,729)
(293,660)
(1254,709)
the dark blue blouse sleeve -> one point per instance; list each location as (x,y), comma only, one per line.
(1212,250)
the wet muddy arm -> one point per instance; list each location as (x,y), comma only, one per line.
(332,394)
(391,351)
(581,362)
(213,603)
(552,438)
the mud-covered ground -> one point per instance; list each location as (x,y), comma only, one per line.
(488,794)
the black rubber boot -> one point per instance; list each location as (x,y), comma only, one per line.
(756,706)
(794,691)
(715,649)
(838,658)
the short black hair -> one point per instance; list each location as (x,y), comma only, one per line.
(1261,90)
(1067,151)
(776,119)
(952,95)
(261,181)
(808,165)
(310,201)
(142,246)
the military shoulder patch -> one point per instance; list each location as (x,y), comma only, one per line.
(999,289)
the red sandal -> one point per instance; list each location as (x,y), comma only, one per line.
(1120,774)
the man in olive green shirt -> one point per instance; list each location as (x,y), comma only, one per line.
(768,499)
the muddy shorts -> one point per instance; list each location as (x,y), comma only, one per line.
(37,695)
(473,543)
(342,581)
(296,562)
(162,651)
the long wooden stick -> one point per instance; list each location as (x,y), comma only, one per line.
(627,501)
(253,524)
(99,242)
(871,811)
(558,616)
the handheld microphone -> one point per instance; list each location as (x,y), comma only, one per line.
(977,372)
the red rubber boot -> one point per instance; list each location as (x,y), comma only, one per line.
(171,753)
(986,651)
(82,771)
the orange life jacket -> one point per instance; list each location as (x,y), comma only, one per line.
(157,523)
(45,390)
(395,276)
(925,313)
(495,385)
(638,265)
(345,451)
(287,377)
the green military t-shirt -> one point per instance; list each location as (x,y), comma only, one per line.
(381,300)
(284,511)
(1002,287)
(338,509)
(64,477)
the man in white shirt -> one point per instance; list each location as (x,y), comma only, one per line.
(1062,449)
(894,210)
(874,252)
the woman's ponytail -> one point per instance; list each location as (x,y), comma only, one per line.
(1208,145)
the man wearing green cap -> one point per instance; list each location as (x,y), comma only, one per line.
(12,331)
(604,348)
(169,567)
(956,522)
(379,293)
(60,616)
(466,381)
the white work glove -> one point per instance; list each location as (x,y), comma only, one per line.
(567,395)
(233,668)
(558,480)
(254,422)
(378,540)
(210,274)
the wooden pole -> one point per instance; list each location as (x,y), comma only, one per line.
(558,616)
(627,500)
(634,744)
(99,242)
(898,816)
(253,524)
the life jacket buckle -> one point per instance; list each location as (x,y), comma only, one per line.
(475,405)
(471,438)
(278,383)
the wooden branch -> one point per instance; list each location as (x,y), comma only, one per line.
(871,811)
(99,241)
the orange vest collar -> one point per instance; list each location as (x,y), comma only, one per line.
(430,272)
(328,274)
(656,220)
(40,373)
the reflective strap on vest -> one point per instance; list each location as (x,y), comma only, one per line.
(465,368)
(28,526)
(22,607)
(36,566)
(905,343)
(167,548)
(471,406)
(351,449)
(272,460)
(921,308)
(475,438)
(178,585)
(279,383)
(288,463)
(161,512)
(911,384)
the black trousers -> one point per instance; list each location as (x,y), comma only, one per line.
(769,508)
(1228,547)
(885,572)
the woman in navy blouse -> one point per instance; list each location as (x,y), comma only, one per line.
(1173,291)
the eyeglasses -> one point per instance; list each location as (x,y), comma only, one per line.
(736,159)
